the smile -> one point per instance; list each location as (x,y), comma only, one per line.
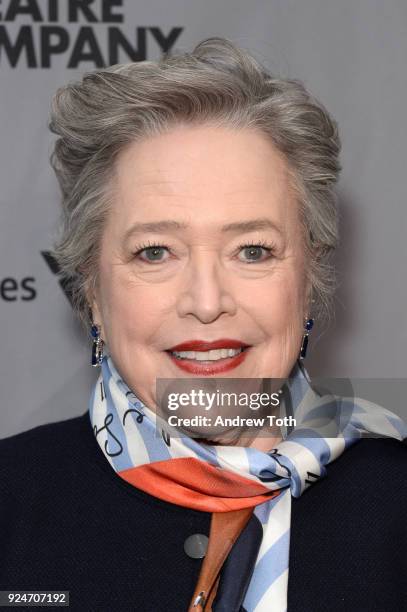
(209,362)
(214,355)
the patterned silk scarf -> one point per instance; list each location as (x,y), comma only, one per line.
(213,478)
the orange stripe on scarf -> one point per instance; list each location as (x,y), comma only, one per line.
(192,483)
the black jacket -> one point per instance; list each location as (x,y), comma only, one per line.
(69,522)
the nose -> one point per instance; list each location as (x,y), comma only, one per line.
(206,294)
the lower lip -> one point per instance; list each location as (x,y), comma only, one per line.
(208,368)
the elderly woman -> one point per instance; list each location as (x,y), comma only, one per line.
(198,218)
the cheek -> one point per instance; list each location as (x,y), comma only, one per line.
(278,303)
(131,311)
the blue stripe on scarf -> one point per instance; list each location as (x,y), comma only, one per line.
(273,563)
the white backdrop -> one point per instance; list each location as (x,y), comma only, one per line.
(351,54)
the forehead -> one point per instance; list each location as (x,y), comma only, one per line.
(205,174)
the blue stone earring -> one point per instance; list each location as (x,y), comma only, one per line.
(309,324)
(97,347)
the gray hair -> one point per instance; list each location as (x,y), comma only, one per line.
(219,83)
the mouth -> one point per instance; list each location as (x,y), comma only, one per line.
(198,358)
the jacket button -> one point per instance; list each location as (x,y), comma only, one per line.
(196,545)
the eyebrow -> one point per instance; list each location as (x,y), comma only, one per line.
(252,225)
(160,227)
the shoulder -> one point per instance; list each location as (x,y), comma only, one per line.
(370,474)
(373,458)
(352,523)
(45,469)
(41,444)
(364,494)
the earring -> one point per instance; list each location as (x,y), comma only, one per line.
(308,325)
(97,347)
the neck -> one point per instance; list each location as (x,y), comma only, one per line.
(265,440)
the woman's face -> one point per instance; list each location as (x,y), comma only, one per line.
(203,242)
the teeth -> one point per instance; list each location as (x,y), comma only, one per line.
(213,355)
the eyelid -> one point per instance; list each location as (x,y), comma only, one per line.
(258,243)
(150,246)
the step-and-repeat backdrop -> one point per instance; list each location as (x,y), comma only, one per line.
(351,54)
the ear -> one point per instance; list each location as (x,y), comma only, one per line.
(93,299)
(308,302)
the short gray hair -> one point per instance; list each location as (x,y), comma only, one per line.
(95,118)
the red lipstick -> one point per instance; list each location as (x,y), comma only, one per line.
(203,345)
(208,367)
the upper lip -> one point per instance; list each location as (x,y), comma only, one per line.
(203,345)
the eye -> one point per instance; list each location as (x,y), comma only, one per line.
(253,253)
(152,253)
